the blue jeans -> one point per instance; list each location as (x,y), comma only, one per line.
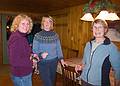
(47,71)
(22,81)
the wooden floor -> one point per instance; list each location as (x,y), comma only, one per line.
(6,81)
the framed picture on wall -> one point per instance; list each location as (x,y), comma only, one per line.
(114,31)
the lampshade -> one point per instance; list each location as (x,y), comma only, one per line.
(102,15)
(102,6)
(87,17)
(112,17)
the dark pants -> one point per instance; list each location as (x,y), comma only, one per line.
(85,83)
(47,69)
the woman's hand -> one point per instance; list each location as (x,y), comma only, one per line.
(35,67)
(63,63)
(44,54)
(79,68)
(34,57)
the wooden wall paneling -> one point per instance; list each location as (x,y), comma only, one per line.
(73,32)
(74,26)
(80,34)
(1,39)
(80,39)
(117,44)
(65,52)
(86,34)
(61,27)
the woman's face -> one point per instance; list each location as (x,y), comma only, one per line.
(98,30)
(24,26)
(47,24)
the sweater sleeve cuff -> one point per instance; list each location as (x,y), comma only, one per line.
(59,58)
(40,55)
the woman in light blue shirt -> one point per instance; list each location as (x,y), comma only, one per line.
(100,54)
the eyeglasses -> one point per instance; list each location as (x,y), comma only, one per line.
(100,27)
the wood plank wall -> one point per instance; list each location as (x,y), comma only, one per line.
(0,41)
(73,32)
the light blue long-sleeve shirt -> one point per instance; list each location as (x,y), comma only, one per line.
(97,66)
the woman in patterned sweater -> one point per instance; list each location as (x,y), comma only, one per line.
(46,44)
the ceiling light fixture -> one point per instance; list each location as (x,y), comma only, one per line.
(105,8)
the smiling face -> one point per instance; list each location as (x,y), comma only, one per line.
(47,23)
(98,30)
(24,26)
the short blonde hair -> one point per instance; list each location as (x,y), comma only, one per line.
(17,21)
(43,20)
(102,22)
